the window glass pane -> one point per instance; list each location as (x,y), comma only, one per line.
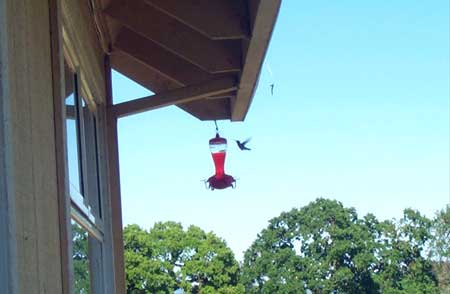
(80,259)
(92,192)
(73,134)
(73,158)
(68,75)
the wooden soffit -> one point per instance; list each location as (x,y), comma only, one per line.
(166,45)
(82,51)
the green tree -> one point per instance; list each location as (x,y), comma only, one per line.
(167,258)
(325,248)
(440,248)
(322,247)
(403,266)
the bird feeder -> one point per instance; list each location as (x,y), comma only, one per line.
(220,180)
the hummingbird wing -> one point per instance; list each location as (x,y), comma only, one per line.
(246,141)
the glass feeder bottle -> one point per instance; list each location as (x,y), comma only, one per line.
(218,148)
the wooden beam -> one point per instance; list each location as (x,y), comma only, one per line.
(169,65)
(208,109)
(177,96)
(141,73)
(169,33)
(150,79)
(101,25)
(159,71)
(59,96)
(114,186)
(218,19)
(224,95)
(265,15)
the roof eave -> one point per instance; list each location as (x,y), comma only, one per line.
(264,23)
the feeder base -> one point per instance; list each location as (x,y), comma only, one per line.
(225,181)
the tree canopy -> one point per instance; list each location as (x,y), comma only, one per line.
(325,248)
(167,258)
(440,248)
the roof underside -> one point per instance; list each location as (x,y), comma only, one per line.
(169,44)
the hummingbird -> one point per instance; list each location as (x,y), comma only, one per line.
(242,146)
(271,88)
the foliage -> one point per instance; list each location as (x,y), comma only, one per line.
(80,259)
(403,266)
(440,248)
(325,248)
(321,248)
(167,258)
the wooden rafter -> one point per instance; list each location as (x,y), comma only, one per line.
(169,66)
(177,96)
(169,33)
(218,19)
(141,73)
(169,44)
(100,25)
(145,76)
(208,109)
(224,95)
(166,63)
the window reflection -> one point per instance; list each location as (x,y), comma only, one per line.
(80,259)
(73,134)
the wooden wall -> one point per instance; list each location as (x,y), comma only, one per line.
(28,168)
(7,240)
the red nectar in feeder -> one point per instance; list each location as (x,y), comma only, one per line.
(220,180)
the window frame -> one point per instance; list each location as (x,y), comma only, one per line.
(90,210)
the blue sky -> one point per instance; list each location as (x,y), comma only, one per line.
(360,113)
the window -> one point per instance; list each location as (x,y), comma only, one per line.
(80,259)
(82,141)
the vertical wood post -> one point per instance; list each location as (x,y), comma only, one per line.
(60,145)
(8,266)
(114,184)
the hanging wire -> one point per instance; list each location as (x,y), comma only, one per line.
(217,129)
